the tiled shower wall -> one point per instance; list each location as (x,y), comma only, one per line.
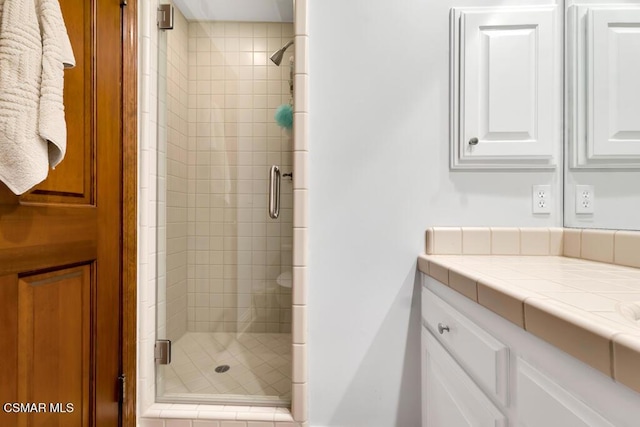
(235,251)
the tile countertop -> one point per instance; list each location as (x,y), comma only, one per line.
(573,304)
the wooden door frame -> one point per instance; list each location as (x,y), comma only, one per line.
(129,207)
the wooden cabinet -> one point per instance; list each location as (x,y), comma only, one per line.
(484,371)
(603,86)
(506,98)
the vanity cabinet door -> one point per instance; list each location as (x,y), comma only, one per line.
(449,396)
(506,98)
(544,403)
(483,357)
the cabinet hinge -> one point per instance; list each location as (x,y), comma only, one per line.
(122,382)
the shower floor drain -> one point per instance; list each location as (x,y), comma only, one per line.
(222,368)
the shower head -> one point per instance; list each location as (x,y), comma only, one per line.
(276,57)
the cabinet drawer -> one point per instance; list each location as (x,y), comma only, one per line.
(450,397)
(483,357)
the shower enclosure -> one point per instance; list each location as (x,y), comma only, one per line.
(224,261)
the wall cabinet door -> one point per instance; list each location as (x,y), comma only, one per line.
(506,99)
(450,397)
(604,88)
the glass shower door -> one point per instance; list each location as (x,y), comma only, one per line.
(224,289)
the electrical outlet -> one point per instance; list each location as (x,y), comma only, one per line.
(541,199)
(585,199)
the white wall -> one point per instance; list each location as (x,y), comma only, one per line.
(379,177)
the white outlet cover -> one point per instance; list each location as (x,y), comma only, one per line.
(541,199)
(585,199)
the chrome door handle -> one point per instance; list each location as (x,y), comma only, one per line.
(442,328)
(274,192)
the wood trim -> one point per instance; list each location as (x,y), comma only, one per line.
(129,207)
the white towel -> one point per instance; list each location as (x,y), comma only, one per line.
(34,49)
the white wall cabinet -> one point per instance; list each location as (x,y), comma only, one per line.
(505,87)
(543,386)
(603,67)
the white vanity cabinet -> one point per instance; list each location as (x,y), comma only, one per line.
(479,369)
(449,395)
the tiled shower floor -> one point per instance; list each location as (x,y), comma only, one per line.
(260,365)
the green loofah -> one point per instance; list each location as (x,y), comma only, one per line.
(284,116)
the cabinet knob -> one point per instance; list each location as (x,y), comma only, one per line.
(473,141)
(442,328)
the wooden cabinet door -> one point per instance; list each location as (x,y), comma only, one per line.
(61,253)
(449,396)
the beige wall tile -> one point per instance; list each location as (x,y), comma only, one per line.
(299,324)
(299,363)
(476,241)
(302,57)
(300,247)
(505,241)
(502,302)
(572,238)
(626,360)
(627,248)
(299,291)
(300,170)
(300,94)
(597,245)
(301,17)
(301,131)
(300,203)
(555,241)
(464,285)
(429,240)
(447,240)
(534,241)
(569,333)
(441,274)
(299,401)
(423,265)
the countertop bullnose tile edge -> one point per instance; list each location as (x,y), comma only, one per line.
(596,342)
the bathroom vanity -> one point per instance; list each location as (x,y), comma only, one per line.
(505,341)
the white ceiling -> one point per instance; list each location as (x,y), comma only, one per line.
(236,10)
